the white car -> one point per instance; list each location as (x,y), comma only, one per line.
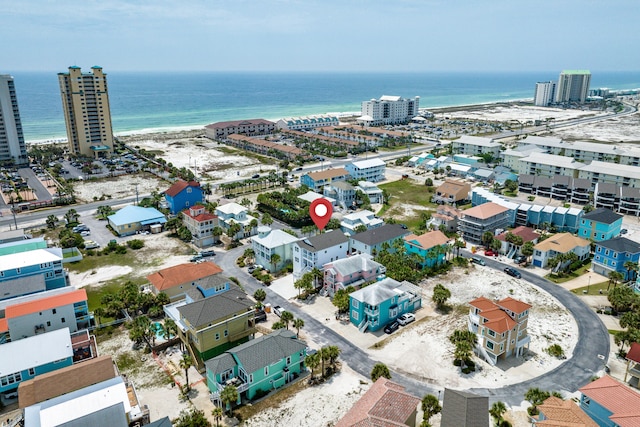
(90,244)
(85,233)
(278,310)
(406,318)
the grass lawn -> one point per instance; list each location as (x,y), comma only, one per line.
(97,261)
(594,289)
(577,273)
(408,192)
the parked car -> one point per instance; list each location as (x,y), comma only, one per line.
(256,176)
(489,252)
(251,269)
(391,327)
(85,233)
(520,259)
(260,316)
(298,169)
(278,310)
(80,227)
(196,258)
(478,260)
(512,272)
(406,318)
(207,253)
(624,231)
(90,244)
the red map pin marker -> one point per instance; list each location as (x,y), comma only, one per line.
(320,211)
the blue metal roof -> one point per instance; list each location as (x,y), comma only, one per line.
(130,214)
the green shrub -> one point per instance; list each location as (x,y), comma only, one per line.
(466,370)
(457,362)
(135,244)
(555,350)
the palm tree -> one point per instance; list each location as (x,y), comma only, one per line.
(316,275)
(217,232)
(217,413)
(185,363)
(71,216)
(332,352)
(298,324)
(259,295)
(275,259)
(266,219)
(170,329)
(614,277)
(52,220)
(229,396)
(631,266)
(380,370)
(430,407)
(440,295)
(497,410)
(312,361)
(535,396)
(286,317)
(487,238)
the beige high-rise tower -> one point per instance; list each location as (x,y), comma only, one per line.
(85,102)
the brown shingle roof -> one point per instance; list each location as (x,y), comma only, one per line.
(562,243)
(180,185)
(182,273)
(485,210)
(456,188)
(427,240)
(329,173)
(528,234)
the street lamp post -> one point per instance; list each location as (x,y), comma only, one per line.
(588,284)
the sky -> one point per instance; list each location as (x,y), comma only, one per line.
(320,35)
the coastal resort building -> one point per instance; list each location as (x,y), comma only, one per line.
(557,412)
(463,409)
(561,243)
(388,110)
(273,249)
(177,280)
(251,127)
(87,115)
(544,94)
(610,403)
(452,191)
(431,247)
(317,180)
(231,213)
(573,86)
(371,170)
(134,219)
(600,224)
(200,224)
(307,122)
(316,251)
(353,271)
(373,307)
(616,254)
(476,146)
(12,146)
(501,327)
(258,366)
(384,404)
(183,195)
(375,240)
(482,218)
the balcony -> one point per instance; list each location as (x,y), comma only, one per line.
(375,312)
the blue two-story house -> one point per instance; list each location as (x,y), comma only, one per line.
(610,403)
(429,247)
(182,195)
(374,306)
(258,366)
(614,254)
(317,180)
(600,224)
(23,359)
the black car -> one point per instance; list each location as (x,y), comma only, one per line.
(391,327)
(256,176)
(520,259)
(512,272)
(260,316)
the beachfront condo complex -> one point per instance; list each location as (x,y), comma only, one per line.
(389,110)
(85,102)
(12,147)
(573,86)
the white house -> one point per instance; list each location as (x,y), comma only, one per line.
(560,243)
(270,242)
(371,190)
(371,170)
(314,252)
(351,221)
(233,212)
(201,224)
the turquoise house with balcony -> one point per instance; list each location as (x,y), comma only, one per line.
(374,306)
(23,359)
(430,247)
(258,366)
(600,224)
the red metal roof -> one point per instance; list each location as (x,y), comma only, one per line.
(47,303)
(182,273)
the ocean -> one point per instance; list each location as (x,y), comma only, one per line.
(146,102)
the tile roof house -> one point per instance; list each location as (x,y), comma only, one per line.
(214,324)
(130,219)
(610,403)
(182,195)
(555,412)
(431,247)
(373,241)
(175,281)
(380,303)
(560,243)
(452,191)
(476,221)
(501,327)
(633,362)
(384,404)
(316,251)
(464,409)
(600,224)
(200,224)
(260,365)
(613,255)
(446,216)
(352,271)
(527,234)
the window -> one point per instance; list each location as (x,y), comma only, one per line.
(217,336)
(266,371)
(586,400)
(62,320)
(48,323)
(288,360)
(356,303)
(491,333)
(489,345)
(53,311)
(32,371)
(226,333)
(354,314)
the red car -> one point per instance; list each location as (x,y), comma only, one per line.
(490,253)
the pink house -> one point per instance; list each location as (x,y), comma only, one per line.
(352,271)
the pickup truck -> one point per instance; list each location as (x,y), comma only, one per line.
(278,310)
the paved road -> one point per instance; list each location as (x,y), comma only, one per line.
(571,375)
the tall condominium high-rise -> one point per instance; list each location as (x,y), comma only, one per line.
(389,110)
(12,147)
(85,102)
(573,86)
(545,93)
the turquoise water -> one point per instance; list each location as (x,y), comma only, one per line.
(157,326)
(147,101)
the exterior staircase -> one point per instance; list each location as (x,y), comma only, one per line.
(363,326)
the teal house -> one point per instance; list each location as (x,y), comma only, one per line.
(600,224)
(430,247)
(258,366)
(376,305)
